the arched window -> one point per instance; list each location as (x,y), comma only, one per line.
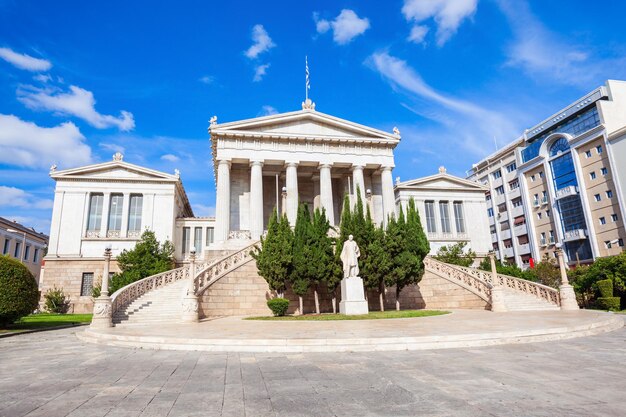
(561,145)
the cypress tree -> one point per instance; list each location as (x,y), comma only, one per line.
(322,257)
(377,264)
(274,256)
(303,271)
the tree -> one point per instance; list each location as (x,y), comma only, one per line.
(455,254)
(274,256)
(416,237)
(584,278)
(511,270)
(377,265)
(302,273)
(322,257)
(547,272)
(18,291)
(147,258)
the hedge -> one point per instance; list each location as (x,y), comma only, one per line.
(18,290)
(605,287)
(278,306)
(609,303)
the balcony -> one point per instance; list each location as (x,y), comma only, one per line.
(514,193)
(508,252)
(576,234)
(517,211)
(505,234)
(544,200)
(524,249)
(520,229)
(502,217)
(494,238)
(568,191)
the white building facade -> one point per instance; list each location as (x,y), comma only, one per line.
(24,244)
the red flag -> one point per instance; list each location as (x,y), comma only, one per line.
(531,262)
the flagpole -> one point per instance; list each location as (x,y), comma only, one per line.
(306,83)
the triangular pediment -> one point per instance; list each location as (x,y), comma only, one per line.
(115,170)
(442,182)
(302,124)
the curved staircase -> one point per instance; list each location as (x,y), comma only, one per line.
(158,306)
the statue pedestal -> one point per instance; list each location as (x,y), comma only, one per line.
(352,297)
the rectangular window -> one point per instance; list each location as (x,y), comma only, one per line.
(445,216)
(458,217)
(95,212)
(36,255)
(607,243)
(541,174)
(511,167)
(599,149)
(26,252)
(185,244)
(597,197)
(613,218)
(490,212)
(592,175)
(488,197)
(134,213)
(551,237)
(86,286)
(604,171)
(517,202)
(431,224)
(602,220)
(197,239)
(115,212)
(500,190)
(536,199)
(514,184)
(532,178)
(588,154)
(497,174)
(5,248)
(547,213)
(18,250)
(620,242)
(609,194)
(210,235)
(539,215)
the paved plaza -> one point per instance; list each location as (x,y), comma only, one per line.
(54,374)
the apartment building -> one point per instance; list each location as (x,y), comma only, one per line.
(24,244)
(561,183)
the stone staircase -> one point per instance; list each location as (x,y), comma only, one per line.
(519,301)
(162,305)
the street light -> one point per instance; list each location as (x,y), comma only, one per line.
(23,242)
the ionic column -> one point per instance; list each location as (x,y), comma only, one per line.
(358,183)
(125,210)
(292,192)
(256,199)
(326,192)
(222,202)
(389,199)
(104,220)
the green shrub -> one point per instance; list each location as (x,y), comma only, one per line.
(18,291)
(278,306)
(609,303)
(56,301)
(605,287)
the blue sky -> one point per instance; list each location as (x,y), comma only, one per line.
(80,81)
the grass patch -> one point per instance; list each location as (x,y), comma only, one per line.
(373,315)
(46,320)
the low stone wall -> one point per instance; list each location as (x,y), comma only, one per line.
(244,292)
(67,274)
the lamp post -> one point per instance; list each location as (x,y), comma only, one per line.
(497,292)
(190,300)
(566,291)
(102,305)
(23,242)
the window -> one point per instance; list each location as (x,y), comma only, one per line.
(588,154)
(492,229)
(458,217)
(539,215)
(134,213)
(542,239)
(26,252)
(517,202)
(547,213)
(604,171)
(597,197)
(431,224)
(490,212)
(620,242)
(5,249)
(197,239)
(115,212)
(613,218)
(488,197)
(210,235)
(599,149)
(36,255)
(514,184)
(609,194)
(497,174)
(511,167)
(501,208)
(185,244)
(540,174)
(500,190)
(551,236)
(95,212)
(445,217)
(558,147)
(86,286)
(607,244)
(602,220)
(17,252)
(532,178)
(536,199)
(592,175)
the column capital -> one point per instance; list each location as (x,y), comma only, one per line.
(358,167)
(257,163)
(292,164)
(325,166)
(224,162)
(386,168)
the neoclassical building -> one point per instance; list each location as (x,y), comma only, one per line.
(274,162)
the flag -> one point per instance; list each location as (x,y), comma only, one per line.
(306,62)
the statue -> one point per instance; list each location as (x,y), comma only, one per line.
(350,257)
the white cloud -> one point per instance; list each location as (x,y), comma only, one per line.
(16,197)
(42,78)
(76,102)
(447,14)
(23,61)
(261,42)
(202,210)
(267,110)
(169,157)
(259,72)
(207,79)
(112,147)
(471,126)
(346,26)
(418,33)
(26,144)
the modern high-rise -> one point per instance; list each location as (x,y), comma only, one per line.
(561,184)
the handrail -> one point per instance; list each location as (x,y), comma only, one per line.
(208,273)
(474,282)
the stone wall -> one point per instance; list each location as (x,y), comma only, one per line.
(244,292)
(67,275)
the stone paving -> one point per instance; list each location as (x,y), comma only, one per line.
(54,374)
